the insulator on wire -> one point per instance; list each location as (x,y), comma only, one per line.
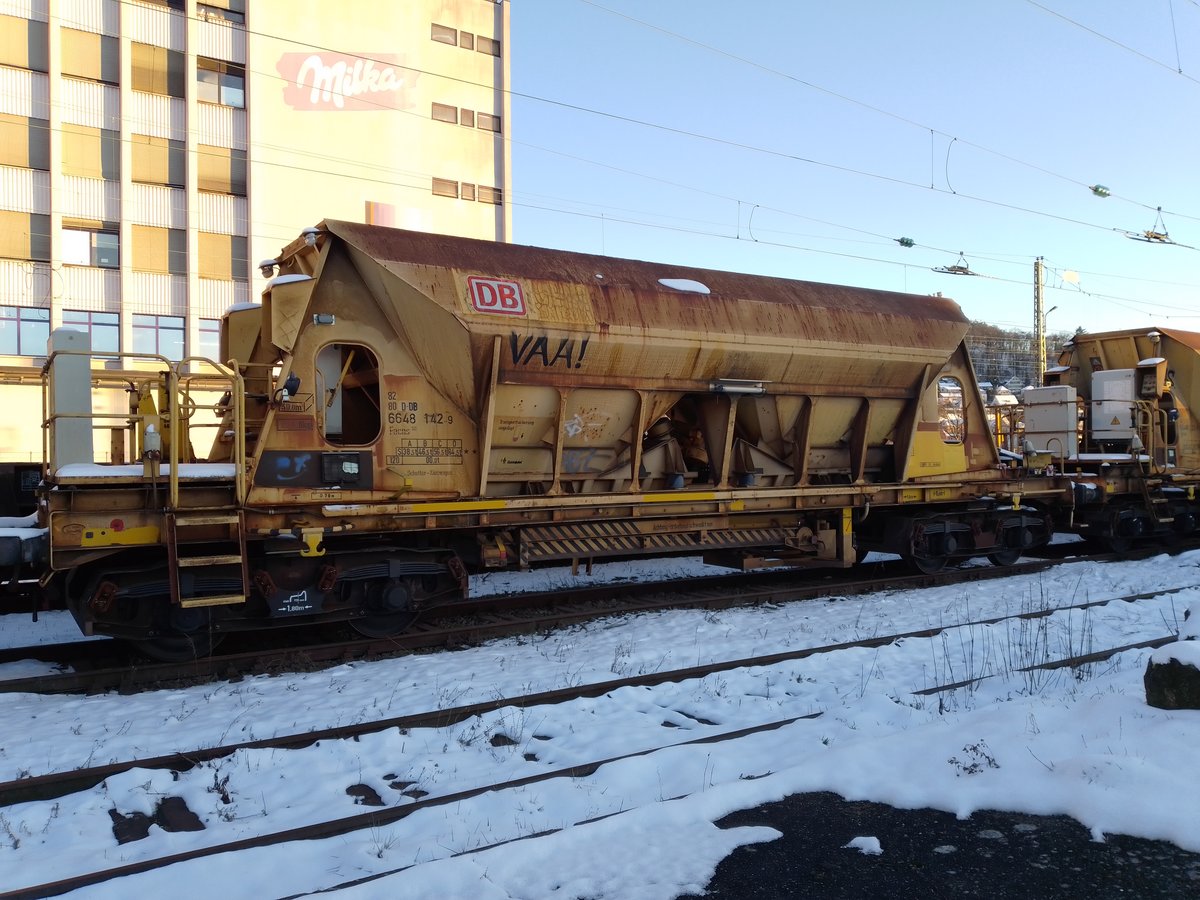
(905,242)
(1099,190)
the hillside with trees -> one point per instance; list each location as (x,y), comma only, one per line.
(1008,357)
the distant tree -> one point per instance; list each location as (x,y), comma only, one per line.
(1007,357)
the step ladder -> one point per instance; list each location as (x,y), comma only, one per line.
(182,547)
(1156,503)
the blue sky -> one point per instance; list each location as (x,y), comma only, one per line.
(801,139)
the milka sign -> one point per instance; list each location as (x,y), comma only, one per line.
(340,81)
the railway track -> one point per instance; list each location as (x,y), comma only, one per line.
(105,665)
(58,785)
(53,785)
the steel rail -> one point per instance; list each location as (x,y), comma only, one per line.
(553,609)
(382,817)
(1063,663)
(128,671)
(58,784)
(374,819)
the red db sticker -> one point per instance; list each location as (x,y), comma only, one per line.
(491,295)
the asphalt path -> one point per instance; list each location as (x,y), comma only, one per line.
(927,854)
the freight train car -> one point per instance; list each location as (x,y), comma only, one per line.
(403,408)
(1116,417)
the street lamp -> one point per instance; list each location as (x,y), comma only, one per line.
(1042,342)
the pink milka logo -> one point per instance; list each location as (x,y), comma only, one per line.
(341,81)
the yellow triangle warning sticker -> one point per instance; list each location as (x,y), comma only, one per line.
(1115,421)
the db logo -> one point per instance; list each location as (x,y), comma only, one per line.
(491,295)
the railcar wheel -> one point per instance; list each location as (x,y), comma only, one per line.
(1004,557)
(180,647)
(1118,544)
(384,626)
(387,608)
(1126,528)
(184,634)
(928,565)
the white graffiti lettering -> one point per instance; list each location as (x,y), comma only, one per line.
(334,83)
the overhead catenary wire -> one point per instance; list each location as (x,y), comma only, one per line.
(727,142)
(1104,37)
(933,131)
(1130,303)
(1175,37)
(740,145)
(698,135)
(384,170)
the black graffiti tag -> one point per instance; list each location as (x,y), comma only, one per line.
(530,348)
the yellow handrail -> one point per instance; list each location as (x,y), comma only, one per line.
(178,385)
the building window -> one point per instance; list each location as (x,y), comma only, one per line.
(86,54)
(443,35)
(156,70)
(24,331)
(24,236)
(221,170)
(222,257)
(487,122)
(162,250)
(91,247)
(467,117)
(158,160)
(444,113)
(210,339)
(24,142)
(443,187)
(162,335)
(91,152)
(169,4)
(223,10)
(24,43)
(490,195)
(104,328)
(220,82)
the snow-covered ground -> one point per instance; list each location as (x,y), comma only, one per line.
(1084,744)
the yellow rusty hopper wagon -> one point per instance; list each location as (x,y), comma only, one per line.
(1116,415)
(403,408)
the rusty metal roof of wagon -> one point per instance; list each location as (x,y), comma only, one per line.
(520,261)
(1186,338)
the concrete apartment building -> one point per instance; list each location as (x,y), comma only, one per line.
(152,152)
